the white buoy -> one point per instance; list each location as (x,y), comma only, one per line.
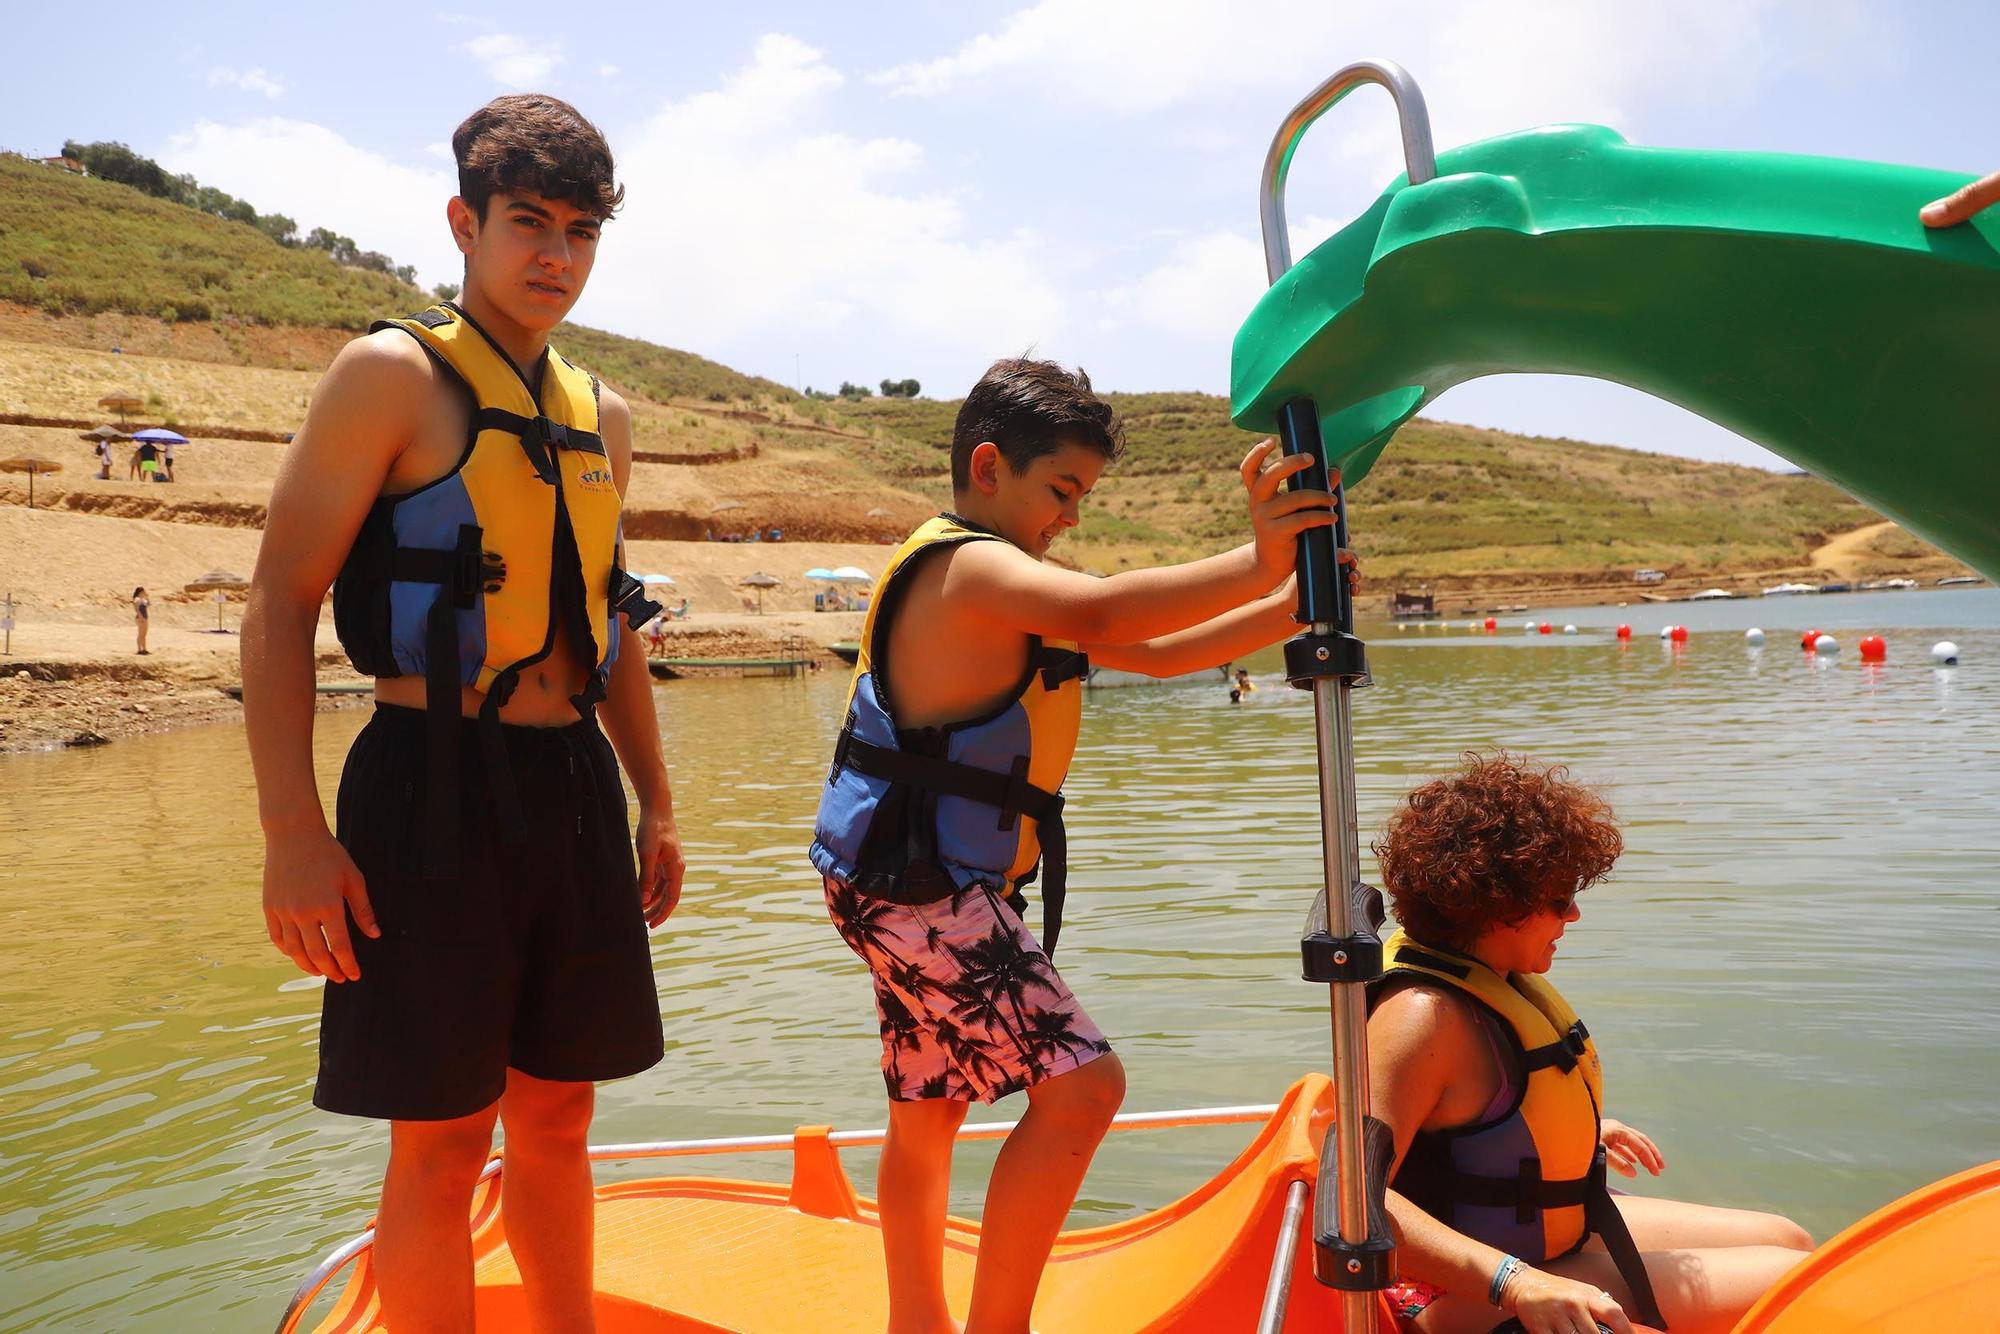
(1754,637)
(1946,652)
(1569,629)
(1666,632)
(1529,626)
(1826,644)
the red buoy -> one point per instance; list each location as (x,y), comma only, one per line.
(1873,648)
(1547,629)
(1492,623)
(1806,640)
(1624,632)
(1679,635)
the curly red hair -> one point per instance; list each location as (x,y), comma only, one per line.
(1491,844)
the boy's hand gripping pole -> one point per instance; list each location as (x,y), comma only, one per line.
(1353,1248)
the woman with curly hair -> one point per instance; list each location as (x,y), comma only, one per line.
(1494,1094)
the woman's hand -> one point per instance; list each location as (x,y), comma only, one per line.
(1547,1304)
(1628,1150)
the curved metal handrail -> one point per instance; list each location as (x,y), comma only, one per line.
(1419,158)
(341,1256)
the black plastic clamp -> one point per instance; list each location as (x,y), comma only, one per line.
(1309,658)
(1328,958)
(1356,1266)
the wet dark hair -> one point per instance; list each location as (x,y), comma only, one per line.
(531,143)
(1028,409)
(1490,845)
(137,591)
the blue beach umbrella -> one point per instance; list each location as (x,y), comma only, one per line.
(159,435)
(821,572)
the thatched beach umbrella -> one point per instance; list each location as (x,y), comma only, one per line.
(121,404)
(761,581)
(30,464)
(217,580)
(222,583)
(101,433)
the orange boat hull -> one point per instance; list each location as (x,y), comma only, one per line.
(742,1257)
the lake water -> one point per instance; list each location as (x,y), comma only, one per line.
(1792,974)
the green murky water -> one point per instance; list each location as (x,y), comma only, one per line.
(1793,976)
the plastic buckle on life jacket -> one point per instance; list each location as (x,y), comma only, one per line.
(553,433)
(468,567)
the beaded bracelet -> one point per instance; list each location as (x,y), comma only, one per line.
(1507,1269)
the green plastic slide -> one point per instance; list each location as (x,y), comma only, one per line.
(1797,301)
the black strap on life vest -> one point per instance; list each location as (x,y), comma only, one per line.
(1529,1194)
(1563,1053)
(541,437)
(1011,793)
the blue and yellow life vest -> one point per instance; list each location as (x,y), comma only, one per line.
(467,581)
(979,800)
(1531,1181)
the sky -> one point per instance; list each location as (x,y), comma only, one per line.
(818,193)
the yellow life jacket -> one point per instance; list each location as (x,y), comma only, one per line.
(1530,1181)
(468,581)
(979,799)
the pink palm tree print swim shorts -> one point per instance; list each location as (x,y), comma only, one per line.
(970,1006)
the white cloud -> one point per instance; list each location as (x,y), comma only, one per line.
(513,61)
(754,222)
(310,173)
(254,80)
(607,71)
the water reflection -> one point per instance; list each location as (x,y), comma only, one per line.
(1791,975)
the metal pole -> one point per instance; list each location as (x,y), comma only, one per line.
(1356,1254)
(1278,1288)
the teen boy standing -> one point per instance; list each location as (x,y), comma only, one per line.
(944,797)
(477,919)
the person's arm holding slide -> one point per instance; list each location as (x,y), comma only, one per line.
(1022,593)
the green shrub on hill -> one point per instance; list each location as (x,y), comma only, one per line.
(73,245)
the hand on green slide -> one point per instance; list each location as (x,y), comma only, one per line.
(1962,203)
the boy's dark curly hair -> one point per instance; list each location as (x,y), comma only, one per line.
(1491,844)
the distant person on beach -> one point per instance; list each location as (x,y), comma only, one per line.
(1241,686)
(1492,1088)
(1962,203)
(145,462)
(166,462)
(142,607)
(944,801)
(475,913)
(104,459)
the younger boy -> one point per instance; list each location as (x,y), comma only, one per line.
(944,799)
(477,919)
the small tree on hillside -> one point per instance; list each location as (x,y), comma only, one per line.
(279,228)
(855,390)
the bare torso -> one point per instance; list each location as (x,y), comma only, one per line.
(542,699)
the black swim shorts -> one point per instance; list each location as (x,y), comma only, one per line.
(533,957)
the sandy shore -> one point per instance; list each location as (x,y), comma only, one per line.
(72,674)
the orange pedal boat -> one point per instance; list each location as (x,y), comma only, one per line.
(685,1254)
